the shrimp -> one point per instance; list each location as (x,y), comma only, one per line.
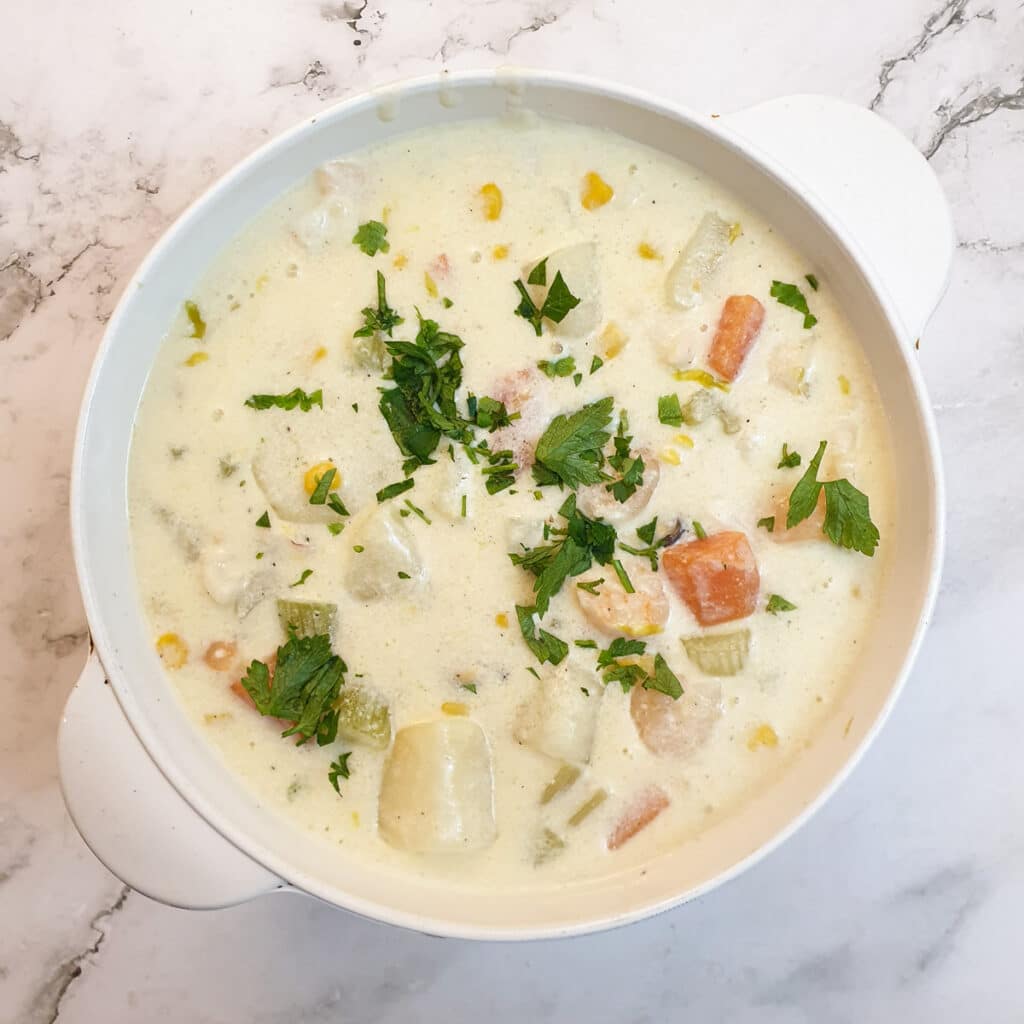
(598,502)
(676,728)
(615,612)
(525,392)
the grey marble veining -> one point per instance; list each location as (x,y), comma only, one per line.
(901,900)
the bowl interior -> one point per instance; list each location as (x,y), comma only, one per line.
(122,634)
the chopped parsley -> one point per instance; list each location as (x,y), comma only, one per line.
(577,379)
(469,686)
(447,303)
(629,675)
(630,467)
(557,304)
(296,397)
(489,413)
(811,280)
(620,647)
(393,490)
(569,450)
(335,528)
(790,295)
(595,364)
(264,520)
(564,367)
(358,548)
(669,411)
(768,523)
(306,681)
(789,460)
(227,467)
(699,530)
(195,318)
(339,769)
(627,584)
(416,510)
(591,586)
(335,504)
(372,237)
(664,680)
(587,644)
(323,488)
(545,646)
(646,534)
(306,573)
(383,319)
(777,603)
(847,515)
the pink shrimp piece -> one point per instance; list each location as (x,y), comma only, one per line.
(598,502)
(676,728)
(440,267)
(645,807)
(617,613)
(525,392)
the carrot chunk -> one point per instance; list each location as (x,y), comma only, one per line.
(716,576)
(742,316)
(647,805)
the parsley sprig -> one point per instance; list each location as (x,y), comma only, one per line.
(569,450)
(629,466)
(629,674)
(558,302)
(296,397)
(790,295)
(372,237)
(652,547)
(383,319)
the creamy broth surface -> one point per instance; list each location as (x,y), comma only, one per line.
(280,306)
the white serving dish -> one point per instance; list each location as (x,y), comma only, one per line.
(148,793)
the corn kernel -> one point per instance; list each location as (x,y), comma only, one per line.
(735,230)
(684,439)
(844,384)
(314,473)
(595,191)
(196,358)
(762,736)
(455,708)
(430,284)
(385,215)
(647,252)
(670,455)
(650,629)
(499,252)
(493,201)
(172,649)
(400,261)
(262,281)
(613,341)
(501,619)
(355,819)
(319,354)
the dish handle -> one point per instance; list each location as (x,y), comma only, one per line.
(133,819)
(877,183)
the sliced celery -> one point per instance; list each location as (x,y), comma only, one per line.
(307,618)
(586,809)
(566,775)
(369,353)
(363,717)
(719,654)
(549,845)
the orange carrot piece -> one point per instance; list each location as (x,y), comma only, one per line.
(646,806)
(716,576)
(742,316)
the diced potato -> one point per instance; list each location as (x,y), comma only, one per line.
(331,215)
(580,269)
(676,728)
(363,716)
(697,262)
(559,719)
(716,576)
(449,482)
(791,366)
(437,793)
(738,327)
(388,548)
(645,807)
(279,467)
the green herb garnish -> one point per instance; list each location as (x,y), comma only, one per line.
(790,295)
(558,302)
(393,490)
(699,530)
(339,770)
(811,280)
(591,586)
(416,510)
(564,367)
(595,364)
(335,504)
(372,237)
(789,460)
(195,318)
(264,520)
(777,603)
(296,397)
(545,646)
(630,467)
(669,411)
(652,546)
(383,319)
(569,450)
(306,573)
(624,579)
(586,644)
(323,488)
(335,528)
(768,523)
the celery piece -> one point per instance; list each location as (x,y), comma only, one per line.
(549,845)
(370,353)
(586,809)
(363,717)
(307,618)
(566,775)
(719,654)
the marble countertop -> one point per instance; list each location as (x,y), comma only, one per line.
(901,900)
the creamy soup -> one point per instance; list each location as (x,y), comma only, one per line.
(500,503)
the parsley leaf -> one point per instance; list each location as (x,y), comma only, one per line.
(848,518)
(646,534)
(393,490)
(789,460)
(339,769)
(811,280)
(620,647)
(591,587)
(627,676)
(381,320)
(545,646)
(303,688)
(790,295)
(804,498)
(335,504)
(768,523)
(664,679)
(564,367)
(699,530)
(631,467)
(323,487)
(264,520)
(294,398)
(569,451)
(372,237)
(306,573)
(595,364)
(669,411)
(557,304)
(195,318)
(539,274)
(847,514)
(777,603)
(560,301)
(489,413)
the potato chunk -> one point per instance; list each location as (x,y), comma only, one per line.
(382,547)
(437,793)
(578,265)
(559,719)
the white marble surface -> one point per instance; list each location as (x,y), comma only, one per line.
(901,901)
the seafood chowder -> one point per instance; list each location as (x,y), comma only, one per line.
(500,504)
